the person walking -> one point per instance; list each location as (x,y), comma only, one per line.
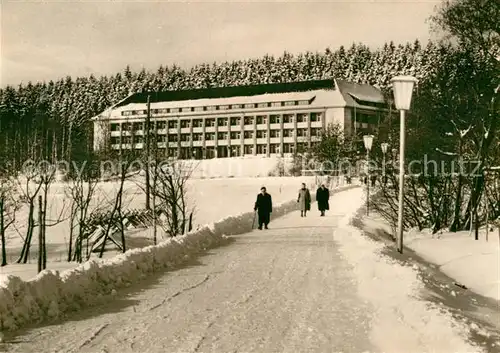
(304,200)
(322,197)
(264,207)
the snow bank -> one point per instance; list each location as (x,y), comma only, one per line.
(401,322)
(51,294)
(461,257)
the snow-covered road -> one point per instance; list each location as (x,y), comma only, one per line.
(280,290)
(286,289)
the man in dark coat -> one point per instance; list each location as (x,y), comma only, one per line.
(322,196)
(264,207)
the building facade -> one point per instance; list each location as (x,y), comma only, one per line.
(239,121)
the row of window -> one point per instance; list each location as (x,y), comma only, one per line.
(210,122)
(217,107)
(231,151)
(210,136)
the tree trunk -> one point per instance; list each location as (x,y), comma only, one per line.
(44,230)
(2,232)
(23,258)
(40,235)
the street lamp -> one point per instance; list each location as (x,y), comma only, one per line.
(403,89)
(368,140)
(384,146)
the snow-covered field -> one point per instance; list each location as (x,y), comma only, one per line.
(51,293)
(211,199)
(473,263)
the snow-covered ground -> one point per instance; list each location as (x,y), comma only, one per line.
(51,293)
(311,284)
(392,291)
(211,199)
(473,263)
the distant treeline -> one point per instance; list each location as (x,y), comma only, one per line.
(50,120)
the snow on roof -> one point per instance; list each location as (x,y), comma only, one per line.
(264,98)
(354,93)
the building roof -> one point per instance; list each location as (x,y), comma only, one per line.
(227,92)
(319,93)
(361,95)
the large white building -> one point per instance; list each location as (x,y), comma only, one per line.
(238,121)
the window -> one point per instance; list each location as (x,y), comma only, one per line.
(274,133)
(276,104)
(248,120)
(223,107)
(210,136)
(161,125)
(172,124)
(115,127)
(315,116)
(248,134)
(115,140)
(173,138)
(261,134)
(261,149)
(235,135)
(273,148)
(274,119)
(289,103)
(262,105)
(237,106)
(261,120)
(127,140)
(161,138)
(138,139)
(249,105)
(199,109)
(197,137)
(174,110)
(288,133)
(222,122)
(317,132)
(127,113)
(185,137)
(137,126)
(185,123)
(197,123)
(222,136)
(301,118)
(288,118)
(303,102)
(210,122)
(301,132)
(211,107)
(235,121)
(127,127)
(248,149)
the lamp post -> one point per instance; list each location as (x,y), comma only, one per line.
(403,89)
(384,147)
(368,140)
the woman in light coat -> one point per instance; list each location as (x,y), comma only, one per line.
(304,200)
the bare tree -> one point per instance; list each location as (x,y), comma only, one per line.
(81,190)
(116,215)
(29,195)
(9,205)
(171,190)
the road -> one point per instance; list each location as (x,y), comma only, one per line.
(285,289)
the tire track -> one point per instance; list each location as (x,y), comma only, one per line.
(167,299)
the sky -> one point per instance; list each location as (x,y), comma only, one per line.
(48,40)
